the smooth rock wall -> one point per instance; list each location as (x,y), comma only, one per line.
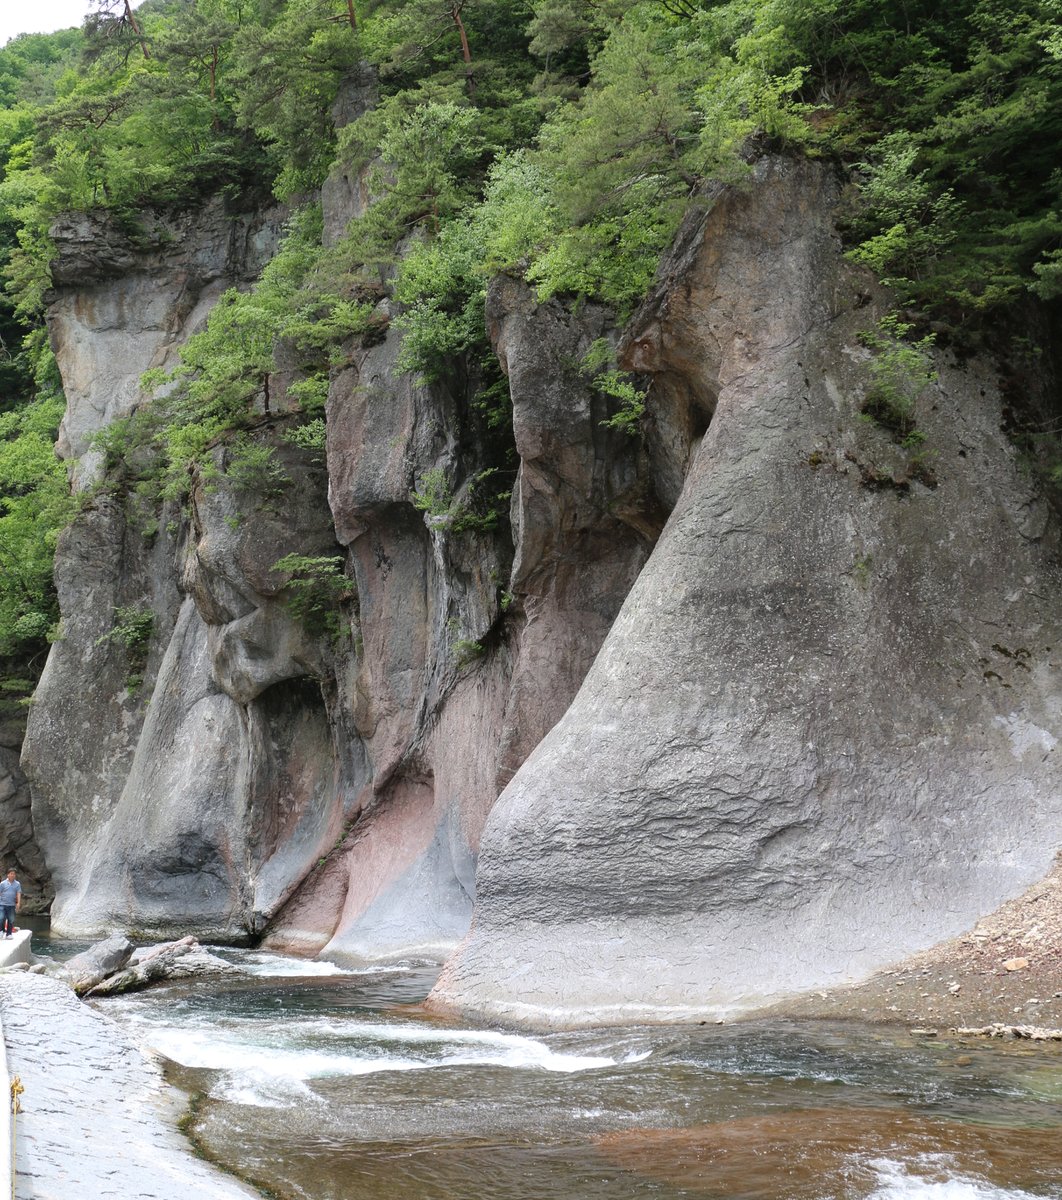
(823,730)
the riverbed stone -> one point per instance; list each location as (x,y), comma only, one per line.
(86,969)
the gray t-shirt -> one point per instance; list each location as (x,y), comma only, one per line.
(9,891)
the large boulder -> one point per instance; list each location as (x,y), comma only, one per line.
(823,730)
(88,968)
(182,959)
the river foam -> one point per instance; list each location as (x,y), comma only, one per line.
(263,965)
(276,1071)
(932,1177)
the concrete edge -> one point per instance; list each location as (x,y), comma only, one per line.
(15,949)
(12,951)
(7,1166)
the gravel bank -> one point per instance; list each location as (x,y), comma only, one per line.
(95,1119)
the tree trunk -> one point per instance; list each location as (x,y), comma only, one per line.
(136,29)
(466,53)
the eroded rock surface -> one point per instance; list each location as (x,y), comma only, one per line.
(18,841)
(471,646)
(88,968)
(822,731)
(240,770)
(128,295)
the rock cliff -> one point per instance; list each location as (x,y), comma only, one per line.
(237,769)
(808,727)
(822,731)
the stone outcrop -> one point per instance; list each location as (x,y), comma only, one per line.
(88,968)
(471,646)
(182,959)
(18,842)
(823,729)
(186,783)
(241,772)
(808,727)
(127,296)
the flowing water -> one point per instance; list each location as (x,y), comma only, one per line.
(336,1086)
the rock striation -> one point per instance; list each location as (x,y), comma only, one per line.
(823,730)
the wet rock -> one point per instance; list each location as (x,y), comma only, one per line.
(182,959)
(86,969)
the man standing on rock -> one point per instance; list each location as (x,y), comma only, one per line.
(10,902)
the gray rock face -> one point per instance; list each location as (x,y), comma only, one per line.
(126,299)
(86,969)
(820,732)
(18,842)
(248,771)
(823,730)
(445,727)
(189,786)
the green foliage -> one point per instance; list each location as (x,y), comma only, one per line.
(900,371)
(917,221)
(466,651)
(599,364)
(557,140)
(225,371)
(315,590)
(483,506)
(252,466)
(309,436)
(486,503)
(34,506)
(286,74)
(132,628)
(631,401)
(433,494)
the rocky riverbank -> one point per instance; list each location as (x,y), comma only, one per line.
(1006,971)
(95,1117)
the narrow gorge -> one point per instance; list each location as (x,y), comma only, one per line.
(566,493)
(806,730)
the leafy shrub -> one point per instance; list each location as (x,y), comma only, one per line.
(900,371)
(315,591)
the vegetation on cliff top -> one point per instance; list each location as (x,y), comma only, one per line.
(559,139)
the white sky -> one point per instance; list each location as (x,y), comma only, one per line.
(40,16)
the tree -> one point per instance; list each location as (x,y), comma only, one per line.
(113,23)
(286,76)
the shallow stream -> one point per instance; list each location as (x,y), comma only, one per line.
(336,1086)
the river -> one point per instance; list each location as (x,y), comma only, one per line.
(323,1084)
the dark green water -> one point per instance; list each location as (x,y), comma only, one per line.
(337,1087)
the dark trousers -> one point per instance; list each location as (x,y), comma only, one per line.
(7,918)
